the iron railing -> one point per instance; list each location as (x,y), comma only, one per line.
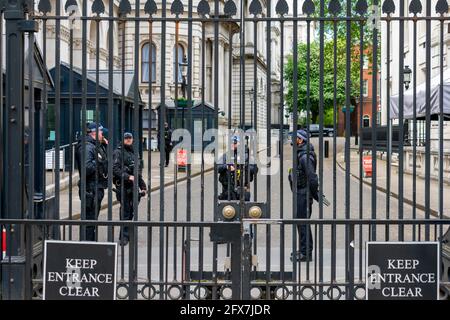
(221,69)
(145,272)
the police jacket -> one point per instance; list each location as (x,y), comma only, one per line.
(306,171)
(96,163)
(167,135)
(128,167)
(248,169)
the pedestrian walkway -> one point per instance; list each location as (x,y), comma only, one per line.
(408,186)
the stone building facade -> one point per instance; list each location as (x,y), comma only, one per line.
(229,33)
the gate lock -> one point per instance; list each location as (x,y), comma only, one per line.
(231,211)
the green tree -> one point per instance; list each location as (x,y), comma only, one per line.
(314,77)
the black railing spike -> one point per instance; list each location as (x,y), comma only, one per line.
(388,7)
(442,6)
(255,7)
(334,7)
(230,8)
(203,8)
(124,7)
(361,7)
(308,7)
(44,6)
(150,7)
(415,7)
(70,3)
(177,8)
(98,7)
(282,8)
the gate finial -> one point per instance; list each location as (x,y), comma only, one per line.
(442,6)
(282,8)
(308,7)
(361,7)
(388,7)
(98,7)
(70,3)
(255,7)
(44,6)
(334,7)
(177,8)
(230,8)
(124,7)
(150,7)
(415,7)
(203,8)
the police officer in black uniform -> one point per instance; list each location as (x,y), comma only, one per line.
(96,165)
(167,142)
(306,175)
(230,171)
(125,173)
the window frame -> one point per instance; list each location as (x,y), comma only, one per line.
(183,51)
(152,52)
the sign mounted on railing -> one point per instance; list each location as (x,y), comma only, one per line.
(402,270)
(79,270)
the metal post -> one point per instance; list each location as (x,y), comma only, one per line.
(14,273)
(38,161)
(246,261)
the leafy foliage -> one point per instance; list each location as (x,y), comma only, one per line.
(328,76)
(336,8)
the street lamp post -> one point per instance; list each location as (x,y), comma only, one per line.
(407,77)
(406,81)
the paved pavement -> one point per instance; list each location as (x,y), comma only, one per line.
(408,184)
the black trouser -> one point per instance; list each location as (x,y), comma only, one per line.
(126,209)
(91,213)
(304,231)
(167,154)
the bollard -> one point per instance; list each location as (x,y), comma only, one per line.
(326,148)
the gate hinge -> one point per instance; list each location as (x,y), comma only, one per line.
(28,26)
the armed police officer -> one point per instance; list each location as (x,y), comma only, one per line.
(124,173)
(167,136)
(230,171)
(96,164)
(306,176)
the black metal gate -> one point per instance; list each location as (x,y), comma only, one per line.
(266,69)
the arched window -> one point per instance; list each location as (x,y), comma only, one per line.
(145,64)
(180,60)
(366,121)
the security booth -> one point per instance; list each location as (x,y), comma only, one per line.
(71,106)
(34,83)
(201,113)
(40,78)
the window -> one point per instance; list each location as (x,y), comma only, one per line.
(145,67)
(365,88)
(366,121)
(180,60)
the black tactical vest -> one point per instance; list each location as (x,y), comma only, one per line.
(302,178)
